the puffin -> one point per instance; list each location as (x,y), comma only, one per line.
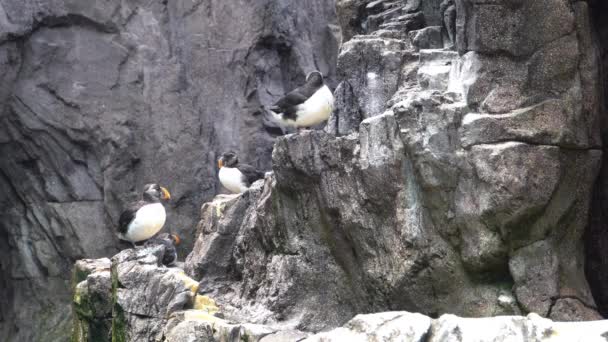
(234,176)
(305,106)
(141,220)
(169,241)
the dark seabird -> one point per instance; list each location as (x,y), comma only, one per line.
(169,241)
(235,176)
(307,105)
(143,219)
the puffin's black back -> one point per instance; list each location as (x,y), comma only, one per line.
(288,103)
(127,216)
(250,173)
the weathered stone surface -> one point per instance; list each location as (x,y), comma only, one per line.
(572,309)
(382,59)
(386,326)
(534,270)
(285,335)
(132,297)
(434,69)
(427,38)
(193,325)
(517,27)
(145,293)
(98,98)
(345,240)
(465,189)
(532,328)
(92,301)
(552,122)
(404,326)
(444,182)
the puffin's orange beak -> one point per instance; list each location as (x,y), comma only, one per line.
(166,195)
(177,239)
(220,163)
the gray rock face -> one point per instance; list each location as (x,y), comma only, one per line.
(92,301)
(452,179)
(134,297)
(444,182)
(385,326)
(98,98)
(145,294)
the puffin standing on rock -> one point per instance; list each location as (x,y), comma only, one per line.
(170,241)
(235,176)
(305,106)
(143,219)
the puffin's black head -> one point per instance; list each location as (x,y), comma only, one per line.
(176,240)
(155,193)
(228,159)
(315,78)
(169,238)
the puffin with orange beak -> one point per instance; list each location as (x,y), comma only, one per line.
(143,219)
(235,176)
(170,241)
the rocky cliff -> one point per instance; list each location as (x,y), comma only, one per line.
(455,175)
(98,97)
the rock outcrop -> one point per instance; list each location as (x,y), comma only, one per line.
(447,180)
(134,298)
(98,98)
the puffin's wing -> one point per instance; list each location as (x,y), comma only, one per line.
(250,174)
(292,99)
(288,103)
(128,215)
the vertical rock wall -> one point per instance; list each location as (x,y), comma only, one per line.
(454,176)
(100,97)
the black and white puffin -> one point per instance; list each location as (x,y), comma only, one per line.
(307,105)
(143,219)
(234,176)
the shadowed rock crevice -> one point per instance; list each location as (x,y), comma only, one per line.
(596,239)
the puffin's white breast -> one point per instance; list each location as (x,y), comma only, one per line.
(232,179)
(316,109)
(148,221)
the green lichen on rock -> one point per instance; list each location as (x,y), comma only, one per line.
(119,333)
(91,301)
(80,331)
